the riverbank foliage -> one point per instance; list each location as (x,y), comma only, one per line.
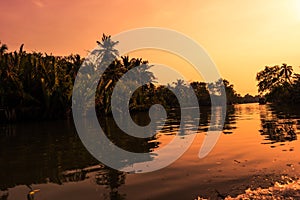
(279,84)
(39,86)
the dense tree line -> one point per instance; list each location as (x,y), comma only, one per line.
(279,84)
(39,86)
(36,85)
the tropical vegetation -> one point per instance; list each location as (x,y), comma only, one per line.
(279,84)
(39,86)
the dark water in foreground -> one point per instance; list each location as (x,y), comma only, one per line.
(258,145)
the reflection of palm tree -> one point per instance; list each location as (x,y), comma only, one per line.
(277,126)
(279,132)
(230,119)
(113,179)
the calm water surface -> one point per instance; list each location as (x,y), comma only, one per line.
(259,144)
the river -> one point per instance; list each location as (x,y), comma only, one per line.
(258,145)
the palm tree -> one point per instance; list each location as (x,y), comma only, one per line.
(202,93)
(276,83)
(112,179)
(286,72)
(41,84)
(3,48)
(272,77)
(267,78)
(34,81)
(107,51)
(126,62)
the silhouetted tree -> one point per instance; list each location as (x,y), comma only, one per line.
(278,84)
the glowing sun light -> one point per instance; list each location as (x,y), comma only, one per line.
(296,8)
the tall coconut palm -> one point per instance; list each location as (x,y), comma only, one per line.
(286,72)
(276,82)
(3,48)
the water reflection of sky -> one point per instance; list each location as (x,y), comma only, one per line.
(50,156)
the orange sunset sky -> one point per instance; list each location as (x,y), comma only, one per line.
(241,36)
